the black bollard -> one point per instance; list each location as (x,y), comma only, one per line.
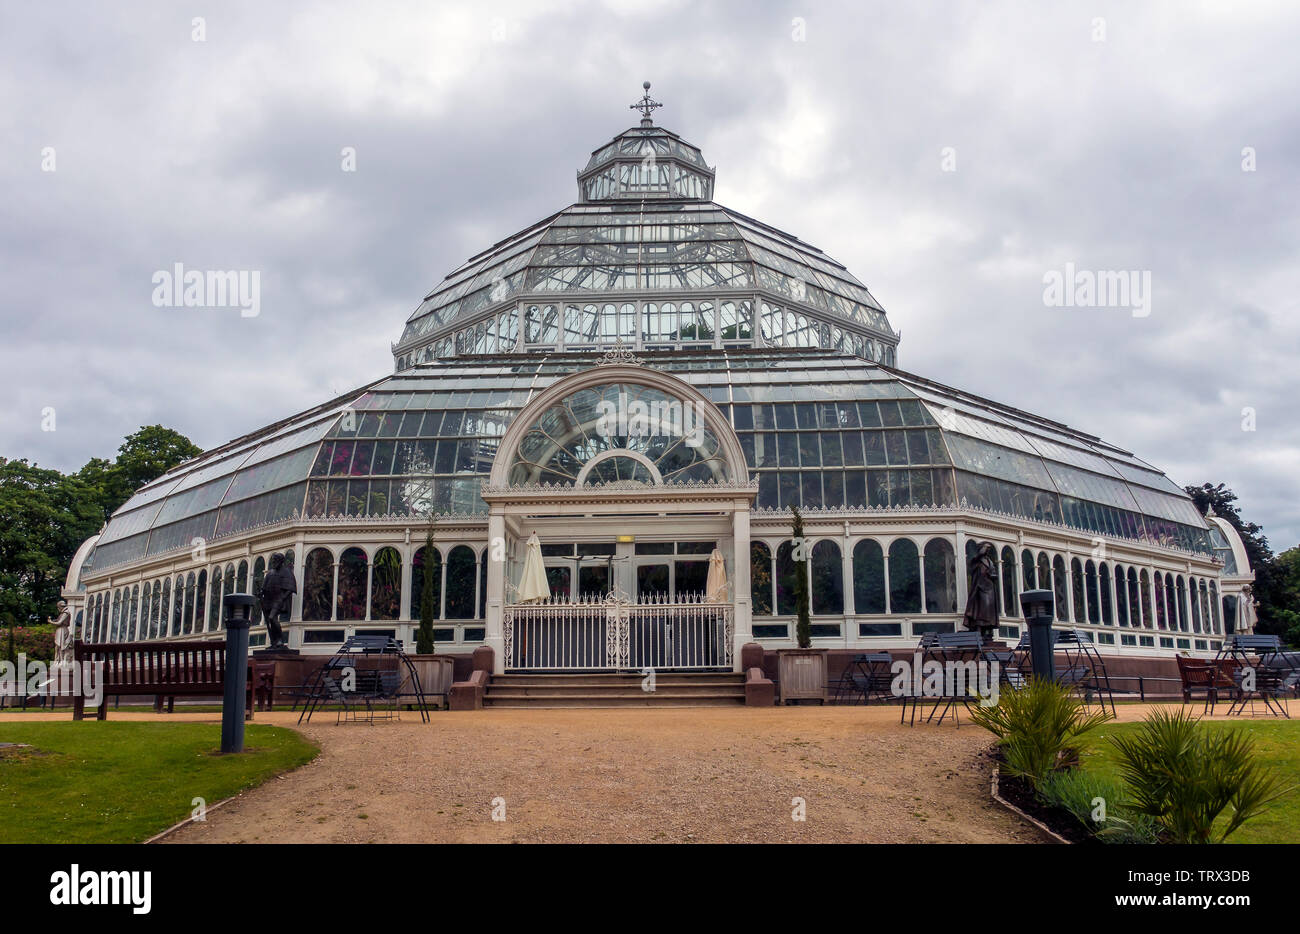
(1038,606)
(239,611)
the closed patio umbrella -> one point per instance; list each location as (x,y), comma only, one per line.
(716,586)
(533,586)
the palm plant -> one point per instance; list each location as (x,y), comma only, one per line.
(1039,728)
(1184,776)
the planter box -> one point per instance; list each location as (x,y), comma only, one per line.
(801,674)
(436,675)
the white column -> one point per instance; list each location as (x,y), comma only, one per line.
(334,601)
(885,565)
(496,587)
(740,585)
(959,559)
(299,564)
(404,607)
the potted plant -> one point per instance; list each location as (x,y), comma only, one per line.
(801,672)
(436,671)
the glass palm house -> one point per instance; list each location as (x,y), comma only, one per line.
(640,379)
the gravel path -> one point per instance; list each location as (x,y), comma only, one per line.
(687,775)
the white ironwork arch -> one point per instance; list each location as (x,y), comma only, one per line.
(728,444)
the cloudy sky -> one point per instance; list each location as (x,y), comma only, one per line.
(951,155)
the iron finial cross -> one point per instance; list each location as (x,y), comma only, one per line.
(646,105)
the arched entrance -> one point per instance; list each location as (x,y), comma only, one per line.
(630,478)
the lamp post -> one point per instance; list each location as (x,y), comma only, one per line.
(239,611)
(1038,608)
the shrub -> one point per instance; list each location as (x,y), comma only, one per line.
(1038,728)
(36,642)
(1078,791)
(1184,776)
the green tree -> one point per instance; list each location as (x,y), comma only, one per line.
(1279,609)
(143,456)
(424,635)
(803,625)
(44,517)
(1285,594)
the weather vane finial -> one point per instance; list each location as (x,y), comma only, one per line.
(646,106)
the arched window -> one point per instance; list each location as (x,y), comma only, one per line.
(1181,599)
(1229,614)
(1196,604)
(1104,585)
(117,613)
(1171,602)
(158,613)
(482,584)
(150,611)
(1059,591)
(165,615)
(1214,606)
(1158,596)
(1044,571)
(201,599)
(786,569)
(1076,589)
(1094,599)
(417,584)
(223,583)
(868,577)
(827,579)
(386,585)
(941,576)
(189,601)
(1146,599)
(135,613)
(904,577)
(318,585)
(1121,595)
(178,605)
(1134,600)
(1027,578)
(462,570)
(1009,606)
(352,584)
(760,578)
(146,607)
(241,577)
(259,575)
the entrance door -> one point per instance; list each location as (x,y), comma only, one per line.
(671,572)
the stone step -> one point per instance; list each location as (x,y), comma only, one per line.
(615,689)
(606,699)
(718,677)
(631,690)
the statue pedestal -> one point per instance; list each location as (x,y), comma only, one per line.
(271,653)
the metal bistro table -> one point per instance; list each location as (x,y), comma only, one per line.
(949,649)
(867,675)
(1261,671)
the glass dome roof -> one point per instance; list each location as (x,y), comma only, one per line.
(819,429)
(646,233)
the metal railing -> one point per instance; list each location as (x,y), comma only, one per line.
(609,634)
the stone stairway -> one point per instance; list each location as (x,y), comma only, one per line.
(672,689)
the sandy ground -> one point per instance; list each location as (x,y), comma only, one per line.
(660,775)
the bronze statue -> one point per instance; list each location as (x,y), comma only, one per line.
(982,603)
(278,589)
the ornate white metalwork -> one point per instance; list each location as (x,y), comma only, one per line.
(612,634)
(619,355)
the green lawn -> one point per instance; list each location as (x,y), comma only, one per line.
(93,782)
(1277,743)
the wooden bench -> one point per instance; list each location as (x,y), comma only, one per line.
(158,669)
